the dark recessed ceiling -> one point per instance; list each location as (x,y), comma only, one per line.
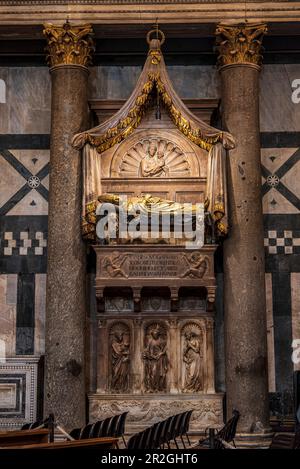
(126,44)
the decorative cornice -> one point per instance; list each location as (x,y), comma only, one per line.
(33,12)
(118,2)
(69,45)
(240,44)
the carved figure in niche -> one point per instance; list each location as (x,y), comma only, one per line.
(197,265)
(192,357)
(153,163)
(113,265)
(120,358)
(155,359)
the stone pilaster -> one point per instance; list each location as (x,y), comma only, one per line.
(69,50)
(102,354)
(239,48)
(210,355)
(137,364)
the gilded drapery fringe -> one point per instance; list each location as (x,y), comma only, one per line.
(216,188)
(127,125)
(91,169)
(154,76)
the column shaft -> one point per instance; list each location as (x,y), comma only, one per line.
(69,50)
(244,259)
(65,320)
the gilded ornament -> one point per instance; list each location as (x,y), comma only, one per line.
(69,45)
(241,43)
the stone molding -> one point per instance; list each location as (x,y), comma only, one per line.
(120,12)
(117,2)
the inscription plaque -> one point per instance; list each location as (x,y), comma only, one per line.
(153,266)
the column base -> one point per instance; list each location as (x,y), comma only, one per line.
(253,440)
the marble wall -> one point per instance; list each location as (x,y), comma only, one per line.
(8,308)
(277,111)
(27,106)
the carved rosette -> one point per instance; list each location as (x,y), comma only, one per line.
(69,45)
(240,44)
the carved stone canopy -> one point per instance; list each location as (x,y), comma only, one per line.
(158,155)
(154,84)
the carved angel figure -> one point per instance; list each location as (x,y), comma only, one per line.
(197,265)
(113,264)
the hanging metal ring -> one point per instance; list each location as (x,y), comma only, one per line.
(157,32)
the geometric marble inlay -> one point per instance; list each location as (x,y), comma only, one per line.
(25,181)
(24,243)
(282,242)
(281,173)
(18,391)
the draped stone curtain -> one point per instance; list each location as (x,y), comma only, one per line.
(154,78)
(91,169)
(216,188)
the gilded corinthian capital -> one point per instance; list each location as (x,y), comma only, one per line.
(69,45)
(242,43)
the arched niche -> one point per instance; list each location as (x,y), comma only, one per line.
(181,157)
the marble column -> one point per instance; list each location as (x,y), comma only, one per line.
(69,51)
(239,48)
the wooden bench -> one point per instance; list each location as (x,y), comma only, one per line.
(23,437)
(91,443)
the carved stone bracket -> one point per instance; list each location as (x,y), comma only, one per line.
(69,45)
(173,323)
(136,292)
(174,298)
(211,294)
(240,44)
(101,323)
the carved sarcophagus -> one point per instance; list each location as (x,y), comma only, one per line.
(155,348)
(157,266)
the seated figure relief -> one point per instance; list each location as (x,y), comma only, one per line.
(154,157)
(153,163)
